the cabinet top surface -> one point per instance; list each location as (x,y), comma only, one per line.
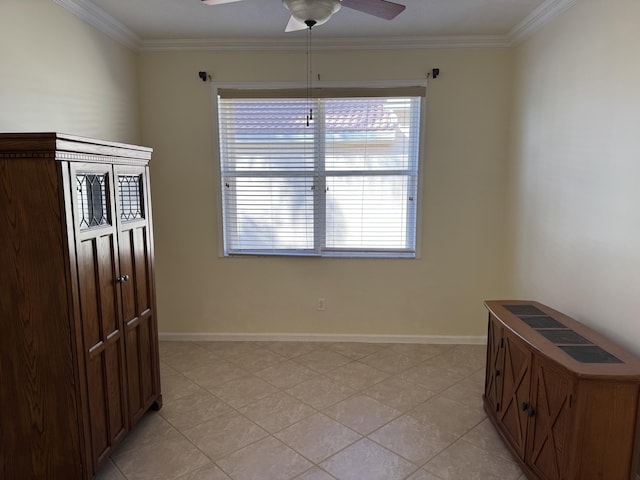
(60,143)
(564,340)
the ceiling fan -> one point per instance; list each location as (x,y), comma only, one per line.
(309,13)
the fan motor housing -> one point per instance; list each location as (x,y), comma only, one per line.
(318,10)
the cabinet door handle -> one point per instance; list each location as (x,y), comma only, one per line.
(525,406)
(497,372)
(122,279)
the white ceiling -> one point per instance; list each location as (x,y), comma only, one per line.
(175,24)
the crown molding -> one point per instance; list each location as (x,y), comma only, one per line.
(115,29)
(101,20)
(542,15)
(336,43)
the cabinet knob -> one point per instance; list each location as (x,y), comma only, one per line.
(497,372)
(528,408)
(122,279)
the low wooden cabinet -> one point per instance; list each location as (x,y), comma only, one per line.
(78,346)
(564,398)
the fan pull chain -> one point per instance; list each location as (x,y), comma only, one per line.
(310,24)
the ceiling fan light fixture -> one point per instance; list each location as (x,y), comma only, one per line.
(317,10)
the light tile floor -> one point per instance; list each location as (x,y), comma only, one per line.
(316,411)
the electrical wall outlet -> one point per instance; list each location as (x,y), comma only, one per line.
(321,305)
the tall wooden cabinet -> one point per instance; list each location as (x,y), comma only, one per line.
(564,398)
(78,335)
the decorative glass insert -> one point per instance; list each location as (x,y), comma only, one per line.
(92,200)
(130,188)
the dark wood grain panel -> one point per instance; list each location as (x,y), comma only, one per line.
(515,391)
(142,269)
(128,289)
(154,377)
(145,346)
(549,433)
(100,321)
(107,272)
(495,365)
(98,405)
(606,439)
(90,314)
(35,351)
(115,375)
(134,367)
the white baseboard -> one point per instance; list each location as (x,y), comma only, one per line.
(321,337)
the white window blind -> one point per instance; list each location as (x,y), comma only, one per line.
(346,184)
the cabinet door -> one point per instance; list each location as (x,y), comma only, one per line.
(552,398)
(495,365)
(515,402)
(138,303)
(100,314)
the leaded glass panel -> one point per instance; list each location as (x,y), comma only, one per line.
(92,200)
(130,197)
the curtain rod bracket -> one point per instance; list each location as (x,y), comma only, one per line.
(204,76)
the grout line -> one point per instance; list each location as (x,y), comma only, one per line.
(315,410)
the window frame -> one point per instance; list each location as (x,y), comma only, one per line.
(334,253)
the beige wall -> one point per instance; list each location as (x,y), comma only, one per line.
(59,74)
(571,175)
(462,209)
(575,174)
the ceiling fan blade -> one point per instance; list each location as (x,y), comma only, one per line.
(379,8)
(295,25)
(218,2)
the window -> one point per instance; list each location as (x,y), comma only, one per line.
(345,184)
